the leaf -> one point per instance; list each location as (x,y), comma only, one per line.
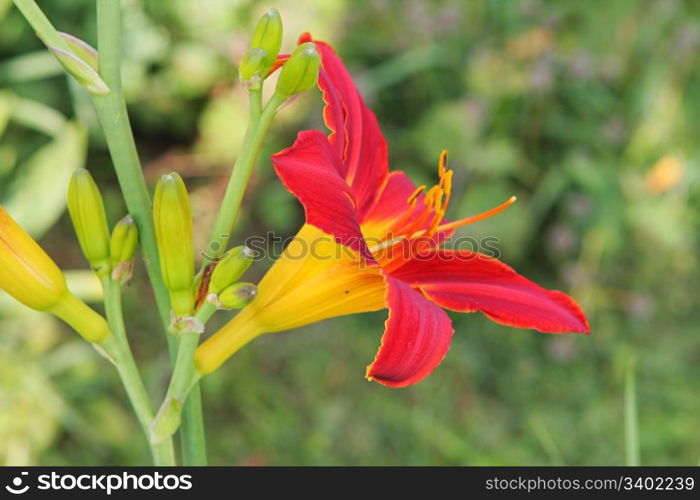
(37,197)
(6,101)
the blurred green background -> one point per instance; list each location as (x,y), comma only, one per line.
(591,116)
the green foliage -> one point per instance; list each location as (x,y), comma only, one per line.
(590,116)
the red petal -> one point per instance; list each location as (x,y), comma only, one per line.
(467,281)
(309,170)
(355,133)
(415,341)
(392,201)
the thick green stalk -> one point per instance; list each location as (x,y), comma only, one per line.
(43,27)
(255,135)
(183,386)
(184,373)
(194,446)
(117,346)
(112,112)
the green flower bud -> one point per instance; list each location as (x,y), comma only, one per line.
(81,70)
(300,72)
(253,68)
(82,49)
(172,217)
(231,267)
(87,212)
(268,37)
(235,296)
(122,247)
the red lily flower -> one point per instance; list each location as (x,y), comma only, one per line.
(393,230)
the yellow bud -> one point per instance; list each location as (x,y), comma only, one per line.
(122,247)
(268,36)
(29,275)
(26,272)
(87,212)
(173,223)
(300,72)
(235,296)
(231,267)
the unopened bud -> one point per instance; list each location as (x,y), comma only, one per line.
(82,49)
(235,296)
(122,247)
(29,275)
(230,268)
(87,212)
(268,36)
(253,68)
(300,72)
(172,217)
(81,70)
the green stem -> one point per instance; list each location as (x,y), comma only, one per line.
(194,450)
(186,383)
(112,113)
(118,347)
(183,387)
(36,18)
(255,135)
(184,373)
(192,424)
(113,116)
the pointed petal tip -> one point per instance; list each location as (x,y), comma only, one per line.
(416,338)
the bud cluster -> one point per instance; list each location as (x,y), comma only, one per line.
(224,289)
(109,256)
(300,70)
(264,48)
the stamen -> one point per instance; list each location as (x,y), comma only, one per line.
(476,218)
(415,195)
(442,164)
(435,201)
(386,244)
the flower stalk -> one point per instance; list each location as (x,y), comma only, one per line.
(118,348)
(111,110)
(258,126)
(184,378)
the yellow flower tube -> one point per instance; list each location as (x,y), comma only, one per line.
(29,275)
